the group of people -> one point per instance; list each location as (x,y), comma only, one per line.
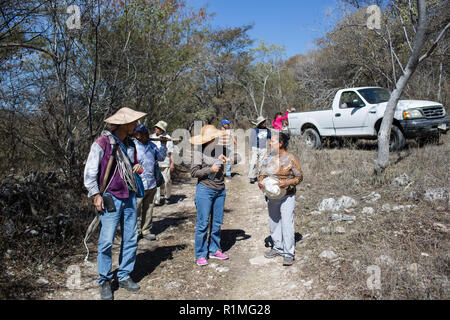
(126,166)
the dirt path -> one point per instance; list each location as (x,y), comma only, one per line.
(166,269)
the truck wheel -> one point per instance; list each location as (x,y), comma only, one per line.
(311,138)
(397,141)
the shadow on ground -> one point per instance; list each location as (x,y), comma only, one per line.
(177,198)
(147,262)
(161,225)
(229,238)
(268,242)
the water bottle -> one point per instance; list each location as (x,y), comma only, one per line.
(212,175)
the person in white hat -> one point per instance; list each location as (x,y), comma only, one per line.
(117,204)
(259,137)
(167,166)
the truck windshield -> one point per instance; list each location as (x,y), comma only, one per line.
(375,95)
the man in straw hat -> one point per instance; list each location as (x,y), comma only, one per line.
(259,137)
(167,165)
(115,197)
(207,167)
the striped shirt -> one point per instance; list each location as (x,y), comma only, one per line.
(226,139)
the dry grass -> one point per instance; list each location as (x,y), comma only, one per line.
(403,236)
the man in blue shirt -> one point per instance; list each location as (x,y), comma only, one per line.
(147,155)
(227,141)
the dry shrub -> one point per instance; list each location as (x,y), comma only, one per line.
(44,219)
(417,251)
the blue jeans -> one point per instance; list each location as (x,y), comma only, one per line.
(209,203)
(228,169)
(126,215)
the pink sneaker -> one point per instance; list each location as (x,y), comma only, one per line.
(219,255)
(202,262)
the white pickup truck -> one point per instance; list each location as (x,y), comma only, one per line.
(358,112)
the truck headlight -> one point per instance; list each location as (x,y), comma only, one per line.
(412,114)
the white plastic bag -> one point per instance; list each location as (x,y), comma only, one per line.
(271,188)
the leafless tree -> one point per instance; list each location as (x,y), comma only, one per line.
(414,60)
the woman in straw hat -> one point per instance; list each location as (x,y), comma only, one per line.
(207,167)
(118,201)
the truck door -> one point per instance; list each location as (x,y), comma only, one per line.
(350,116)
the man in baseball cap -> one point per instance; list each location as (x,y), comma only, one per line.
(225,141)
(148,153)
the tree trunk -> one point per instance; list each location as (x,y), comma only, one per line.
(385,130)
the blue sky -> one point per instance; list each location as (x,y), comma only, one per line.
(291,23)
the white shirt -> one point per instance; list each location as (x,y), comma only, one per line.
(166,162)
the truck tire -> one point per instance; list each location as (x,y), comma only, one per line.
(311,138)
(397,141)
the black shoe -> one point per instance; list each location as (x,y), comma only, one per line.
(105,291)
(129,284)
(252,181)
(167,201)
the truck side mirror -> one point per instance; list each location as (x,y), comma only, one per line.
(357,103)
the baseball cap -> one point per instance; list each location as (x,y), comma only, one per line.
(140,128)
(225,121)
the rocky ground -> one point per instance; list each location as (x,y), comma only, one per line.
(166,269)
(357,237)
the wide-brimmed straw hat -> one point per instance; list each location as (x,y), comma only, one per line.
(260,120)
(162,125)
(124,116)
(209,132)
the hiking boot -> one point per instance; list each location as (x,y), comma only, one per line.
(288,261)
(129,284)
(271,254)
(105,291)
(219,255)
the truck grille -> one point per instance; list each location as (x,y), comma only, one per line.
(433,112)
